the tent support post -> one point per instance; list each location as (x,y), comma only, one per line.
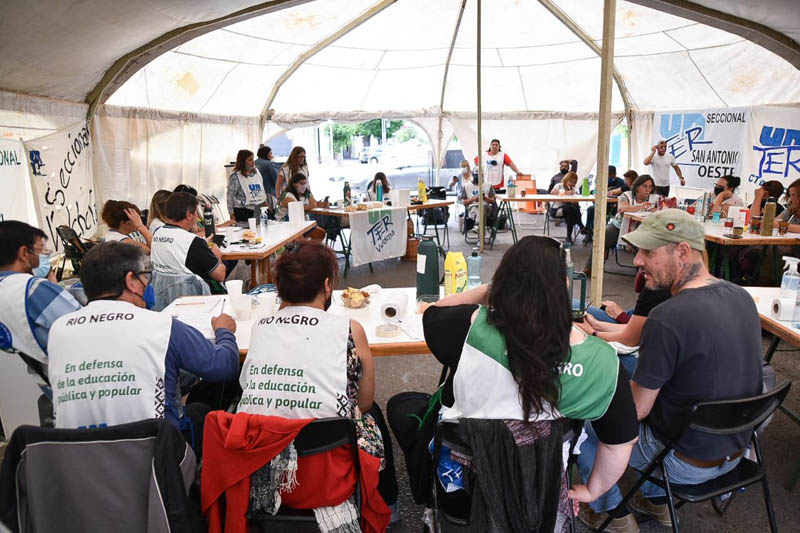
(481,218)
(603,138)
(319,46)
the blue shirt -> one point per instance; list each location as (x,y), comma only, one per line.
(188,350)
(46,303)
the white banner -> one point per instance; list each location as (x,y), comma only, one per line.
(16,200)
(773,148)
(707,144)
(64,192)
(377,234)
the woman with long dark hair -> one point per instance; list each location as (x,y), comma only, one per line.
(372,189)
(296,163)
(298,191)
(245,188)
(725,194)
(513,354)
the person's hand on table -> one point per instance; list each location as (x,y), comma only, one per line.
(612,309)
(223,321)
(646,206)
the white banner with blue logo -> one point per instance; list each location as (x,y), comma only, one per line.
(707,144)
(16,202)
(63,188)
(377,234)
(773,148)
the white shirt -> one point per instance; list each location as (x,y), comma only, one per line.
(660,165)
(113,235)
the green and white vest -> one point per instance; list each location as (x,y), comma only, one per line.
(483,386)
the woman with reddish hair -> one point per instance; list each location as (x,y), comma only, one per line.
(296,163)
(306,363)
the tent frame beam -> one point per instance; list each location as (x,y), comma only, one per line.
(440,134)
(773,40)
(129,64)
(266,113)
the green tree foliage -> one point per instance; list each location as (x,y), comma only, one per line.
(373,128)
(343,133)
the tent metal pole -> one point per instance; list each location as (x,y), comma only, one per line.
(129,64)
(444,87)
(603,139)
(482,221)
(319,46)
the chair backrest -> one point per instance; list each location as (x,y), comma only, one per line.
(170,287)
(730,417)
(326,434)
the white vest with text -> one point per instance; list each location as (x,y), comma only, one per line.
(494,168)
(296,366)
(169,249)
(14,322)
(107,364)
(253,187)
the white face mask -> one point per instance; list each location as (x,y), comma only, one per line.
(465,171)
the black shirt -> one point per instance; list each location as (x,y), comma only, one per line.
(649,299)
(446,330)
(701,345)
(200,259)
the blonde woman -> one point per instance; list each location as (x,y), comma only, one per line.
(296,164)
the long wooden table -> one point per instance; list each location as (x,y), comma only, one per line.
(197,311)
(505,204)
(781,331)
(339,213)
(716,233)
(278,234)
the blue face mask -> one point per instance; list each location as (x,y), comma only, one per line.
(149,297)
(44,266)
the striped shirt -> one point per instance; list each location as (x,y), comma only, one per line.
(46,302)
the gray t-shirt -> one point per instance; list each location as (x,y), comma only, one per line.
(700,345)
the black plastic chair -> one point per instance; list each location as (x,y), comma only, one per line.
(446,434)
(319,436)
(717,418)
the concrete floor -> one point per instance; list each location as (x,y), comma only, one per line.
(420,373)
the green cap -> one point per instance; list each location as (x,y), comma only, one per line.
(665,227)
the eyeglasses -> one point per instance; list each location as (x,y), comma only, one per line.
(148,275)
(43,251)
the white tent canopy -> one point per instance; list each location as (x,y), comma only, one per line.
(181,86)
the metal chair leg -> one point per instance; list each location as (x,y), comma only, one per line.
(670,504)
(765,485)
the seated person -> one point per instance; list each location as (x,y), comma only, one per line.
(690,352)
(298,191)
(564,166)
(470,200)
(568,210)
(456,183)
(31,299)
(747,258)
(245,188)
(372,192)
(157,215)
(725,195)
(639,198)
(507,347)
(614,183)
(176,250)
(615,325)
(330,352)
(768,189)
(124,219)
(629,177)
(114,361)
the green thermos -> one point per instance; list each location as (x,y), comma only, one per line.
(427,268)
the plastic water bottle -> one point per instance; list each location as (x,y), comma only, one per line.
(264,220)
(790,283)
(473,269)
(570,269)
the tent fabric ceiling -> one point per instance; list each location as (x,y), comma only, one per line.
(395,60)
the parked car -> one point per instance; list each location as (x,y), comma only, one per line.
(407,177)
(370,154)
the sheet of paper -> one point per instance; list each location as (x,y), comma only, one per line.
(199,321)
(413,328)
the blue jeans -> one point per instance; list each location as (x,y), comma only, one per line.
(644,451)
(599,314)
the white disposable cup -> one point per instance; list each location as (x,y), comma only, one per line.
(234,287)
(242,306)
(252,223)
(266,304)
